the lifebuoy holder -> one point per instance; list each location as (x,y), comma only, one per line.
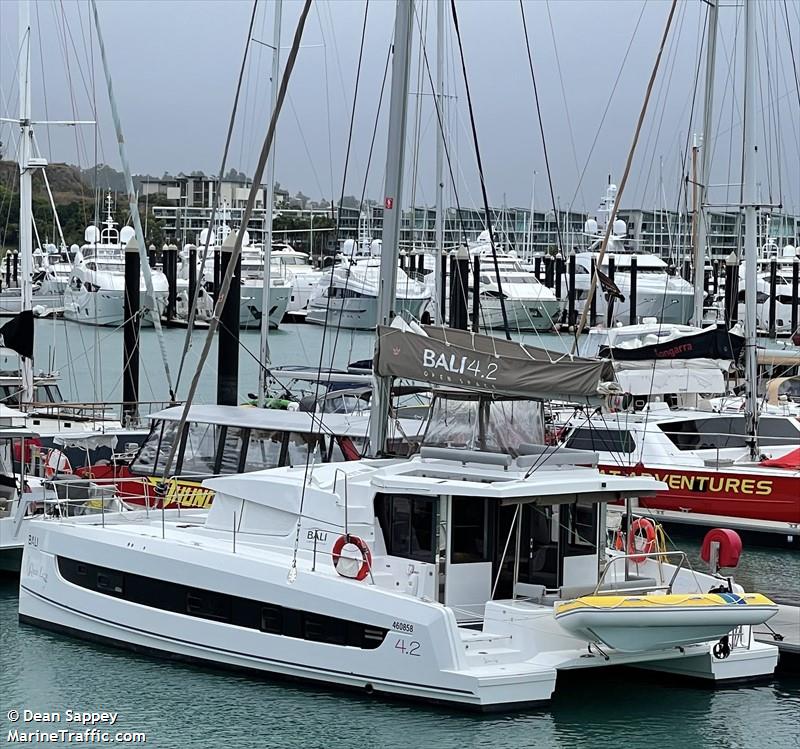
(339,557)
(639,526)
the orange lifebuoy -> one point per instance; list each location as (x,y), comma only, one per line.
(647,526)
(361,545)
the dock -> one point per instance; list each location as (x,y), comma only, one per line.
(783,631)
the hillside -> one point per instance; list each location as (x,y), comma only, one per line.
(73,196)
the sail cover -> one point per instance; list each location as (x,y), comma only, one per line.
(712,343)
(457,358)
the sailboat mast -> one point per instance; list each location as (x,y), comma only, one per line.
(750,240)
(392,209)
(25,190)
(268,205)
(438,304)
(701,180)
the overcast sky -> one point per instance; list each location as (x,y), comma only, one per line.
(175,65)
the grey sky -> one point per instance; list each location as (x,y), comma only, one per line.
(175,65)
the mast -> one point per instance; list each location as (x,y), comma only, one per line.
(701,181)
(750,229)
(25,190)
(438,304)
(268,200)
(392,209)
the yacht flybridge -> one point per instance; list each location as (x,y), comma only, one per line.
(461,577)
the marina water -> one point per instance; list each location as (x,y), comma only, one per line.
(177,705)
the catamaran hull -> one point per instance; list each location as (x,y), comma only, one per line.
(403,665)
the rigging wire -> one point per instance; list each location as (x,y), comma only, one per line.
(559,238)
(626,173)
(608,107)
(480,171)
(348,151)
(187,343)
(237,249)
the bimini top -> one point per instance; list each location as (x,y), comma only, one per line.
(270,419)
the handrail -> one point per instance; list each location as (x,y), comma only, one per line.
(638,557)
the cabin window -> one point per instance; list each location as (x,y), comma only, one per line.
(580,523)
(408,525)
(231,452)
(335,454)
(263,450)
(54,393)
(299,445)
(109,581)
(606,440)
(727,431)
(538,552)
(42,395)
(199,451)
(207,604)
(247,613)
(469,524)
(152,456)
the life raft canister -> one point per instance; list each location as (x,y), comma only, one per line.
(346,552)
(638,527)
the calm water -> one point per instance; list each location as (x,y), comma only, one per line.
(181,706)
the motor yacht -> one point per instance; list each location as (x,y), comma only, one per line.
(251,280)
(96,289)
(347,295)
(295,267)
(660,293)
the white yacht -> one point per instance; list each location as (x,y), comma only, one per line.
(460,577)
(96,289)
(252,279)
(347,295)
(295,268)
(659,294)
(529,304)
